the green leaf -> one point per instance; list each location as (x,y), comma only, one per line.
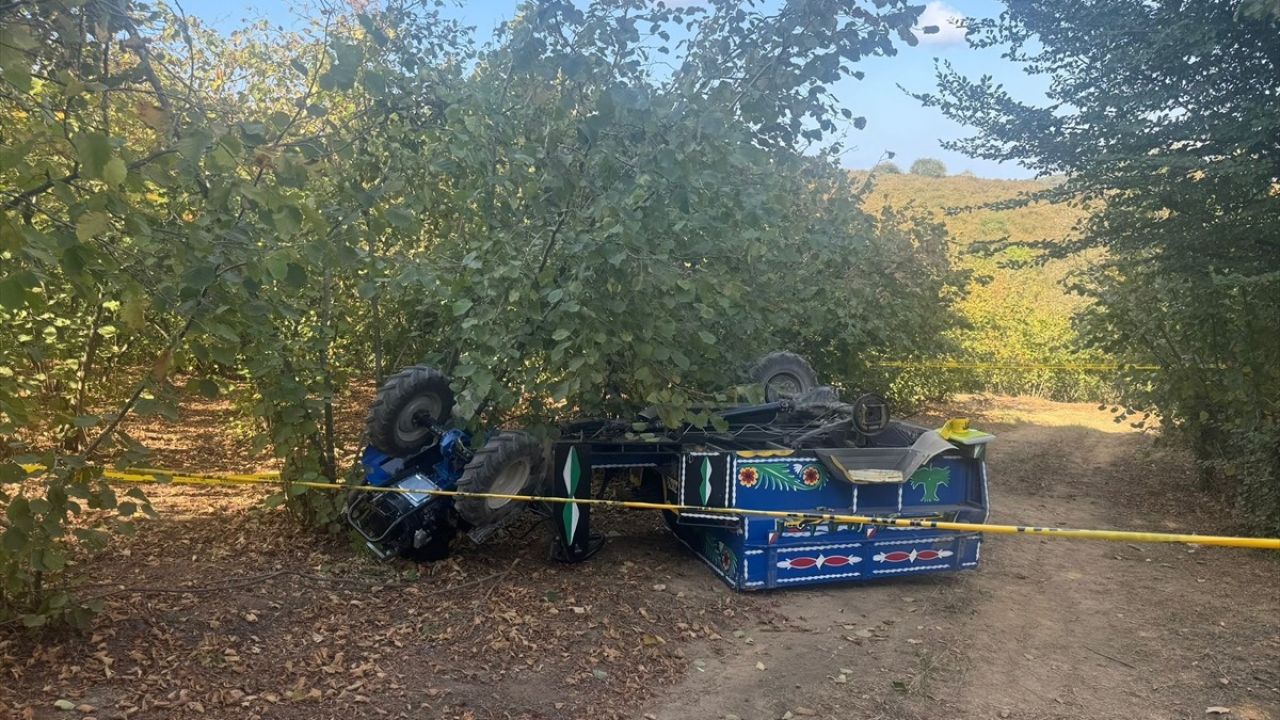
(48,560)
(287,220)
(295,275)
(134,311)
(115,171)
(277,265)
(192,145)
(205,387)
(19,514)
(400,218)
(460,307)
(15,540)
(200,276)
(14,287)
(11,472)
(91,225)
(93,150)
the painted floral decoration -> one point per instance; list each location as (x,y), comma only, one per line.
(781,476)
(727,560)
(810,476)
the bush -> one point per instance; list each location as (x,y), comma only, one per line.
(888,167)
(929,167)
(559,228)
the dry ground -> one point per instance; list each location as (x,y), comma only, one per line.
(221,609)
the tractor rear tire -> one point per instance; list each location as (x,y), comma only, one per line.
(784,375)
(413,395)
(510,463)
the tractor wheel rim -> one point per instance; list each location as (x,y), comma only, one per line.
(408,431)
(782,385)
(509,482)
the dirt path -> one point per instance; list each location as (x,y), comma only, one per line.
(1044,629)
(222,609)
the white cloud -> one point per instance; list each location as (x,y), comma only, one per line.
(950,23)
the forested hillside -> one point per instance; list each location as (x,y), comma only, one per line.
(1018,309)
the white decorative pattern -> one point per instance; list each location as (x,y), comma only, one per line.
(680,497)
(811,578)
(704,487)
(917,541)
(818,547)
(624,465)
(910,569)
(986,499)
(730,472)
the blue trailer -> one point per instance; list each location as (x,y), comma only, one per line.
(906,471)
(801,451)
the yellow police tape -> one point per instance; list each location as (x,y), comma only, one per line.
(906,365)
(178,478)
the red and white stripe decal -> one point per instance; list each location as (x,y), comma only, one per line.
(806,563)
(913,555)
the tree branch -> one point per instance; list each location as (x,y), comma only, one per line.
(26,195)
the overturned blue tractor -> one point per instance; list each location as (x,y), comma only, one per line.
(802,450)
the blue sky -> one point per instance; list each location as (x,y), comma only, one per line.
(895,121)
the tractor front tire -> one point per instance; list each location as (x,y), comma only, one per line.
(784,375)
(395,424)
(510,463)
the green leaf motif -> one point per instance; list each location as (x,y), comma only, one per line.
(930,479)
